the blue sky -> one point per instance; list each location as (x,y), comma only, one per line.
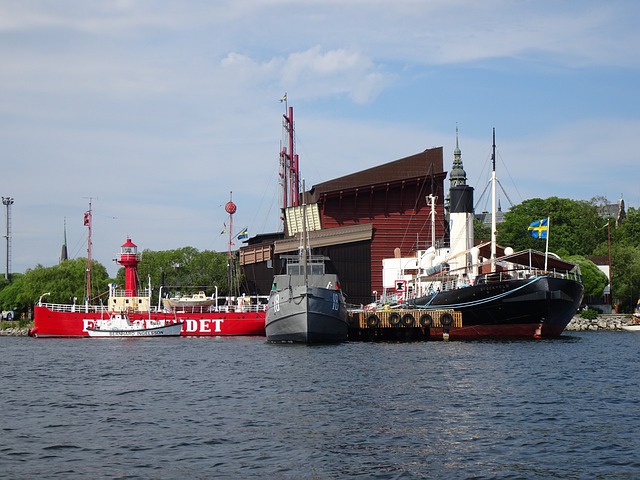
(158,109)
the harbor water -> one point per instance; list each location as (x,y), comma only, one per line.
(164,408)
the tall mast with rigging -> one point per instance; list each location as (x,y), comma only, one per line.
(493,204)
(289,170)
(88,223)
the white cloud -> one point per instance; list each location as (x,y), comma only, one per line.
(158,109)
(313,73)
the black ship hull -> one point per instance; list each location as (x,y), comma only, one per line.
(539,307)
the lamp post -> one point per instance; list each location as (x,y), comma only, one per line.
(7,202)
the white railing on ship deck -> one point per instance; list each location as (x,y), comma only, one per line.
(260,307)
(248,308)
(65,307)
(448,282)
(524,273)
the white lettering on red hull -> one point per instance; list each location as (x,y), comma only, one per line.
(200,326)
(203,325)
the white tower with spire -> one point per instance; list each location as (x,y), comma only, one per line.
(461,212)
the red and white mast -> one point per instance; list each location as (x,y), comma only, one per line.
(88,223)
(230,208)
(289,170)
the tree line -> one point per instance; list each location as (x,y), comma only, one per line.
(180,271)
(577,231)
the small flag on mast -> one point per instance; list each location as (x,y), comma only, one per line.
(243,234)
(539,228)
(284,98)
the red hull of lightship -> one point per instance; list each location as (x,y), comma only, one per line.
(51,323)
(57,320)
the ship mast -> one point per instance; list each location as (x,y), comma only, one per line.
(289,171)
(432,201)
(230,208)
(88,223)
(305,242)
(493,203)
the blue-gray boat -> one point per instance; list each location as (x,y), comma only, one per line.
(306,304)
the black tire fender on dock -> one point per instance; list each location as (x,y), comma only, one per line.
(408,320)
(394,319)
(425,320)
(446,320)
(373,320)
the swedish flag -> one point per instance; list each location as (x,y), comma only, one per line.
(539,228)
(243,234)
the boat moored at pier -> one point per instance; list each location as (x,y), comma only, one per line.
(119,325)
(224,317)
(306,304)
(498,292)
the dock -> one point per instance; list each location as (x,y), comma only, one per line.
(402,324)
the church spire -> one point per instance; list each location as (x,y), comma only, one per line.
(457,176)
(63,253)
(621,212)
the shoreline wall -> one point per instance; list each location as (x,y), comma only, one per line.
(14,332)
(601,322)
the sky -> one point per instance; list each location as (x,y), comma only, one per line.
(158,112)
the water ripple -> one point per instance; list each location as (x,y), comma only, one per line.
(241,408)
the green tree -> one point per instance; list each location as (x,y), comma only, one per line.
(624,247)
(593,279)
(628,232)
(62,282)
(575,226)
(183,270)
(625,282)
(480,230)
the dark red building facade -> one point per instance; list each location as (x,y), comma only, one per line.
(366,216)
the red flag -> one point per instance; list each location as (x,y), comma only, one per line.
(87,218)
